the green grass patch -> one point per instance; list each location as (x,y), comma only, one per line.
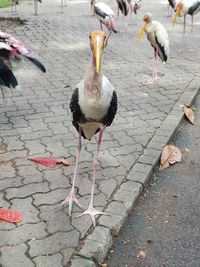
(4,3)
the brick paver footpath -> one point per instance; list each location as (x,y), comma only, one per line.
(36,121)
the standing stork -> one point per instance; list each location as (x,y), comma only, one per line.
(185,7)
(172,4)
(123,6)
(158,38)
(135,5)
(11,48)
(63,3)
(106,16)
(14,4)
(93,106)
(36,6)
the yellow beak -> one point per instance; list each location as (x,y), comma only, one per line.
(176,15)
(140,33)
(97,52)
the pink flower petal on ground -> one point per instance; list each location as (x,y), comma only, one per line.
(49,161)
(9,215)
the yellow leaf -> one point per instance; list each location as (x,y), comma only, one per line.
(188,112)
(170,155)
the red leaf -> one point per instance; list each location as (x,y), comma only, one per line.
(9,215)
(49,161)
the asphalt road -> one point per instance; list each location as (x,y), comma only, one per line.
(166,221)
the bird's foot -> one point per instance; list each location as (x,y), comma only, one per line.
(70,199)
(92,212)
(152,80)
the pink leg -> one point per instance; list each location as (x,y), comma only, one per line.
(91,211)
(155,77)
(72,197)
(184,25)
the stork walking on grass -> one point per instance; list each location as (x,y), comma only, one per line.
(158,38)
(93,106)
(106,16)
(11,48)
(184,7)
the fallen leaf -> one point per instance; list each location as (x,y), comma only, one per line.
(9,215)
(49,161)
(170,155)
(141,254)
(188,112)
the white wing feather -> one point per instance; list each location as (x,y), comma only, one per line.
(105,8)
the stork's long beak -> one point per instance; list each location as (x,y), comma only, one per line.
(98,46)
(97,55)
(176,15)
(140,33)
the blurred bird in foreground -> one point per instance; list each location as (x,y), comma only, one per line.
(11,48)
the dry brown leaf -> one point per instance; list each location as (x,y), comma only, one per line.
(188,112)
(170,155)
(141,254)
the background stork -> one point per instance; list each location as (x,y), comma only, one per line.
(123,6)
(106,16)
(14,4)
(185,7)
(63,3)
(158,38)
(36,6)
(134,6)
(11,48)
(171,6)
(93,106)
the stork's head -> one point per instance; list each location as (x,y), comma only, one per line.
(147,19)
(97,44)
(179,7)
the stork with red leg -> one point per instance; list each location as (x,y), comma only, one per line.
(184,7)
(93,106)
(158,38)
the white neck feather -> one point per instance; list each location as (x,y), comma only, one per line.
(93,81)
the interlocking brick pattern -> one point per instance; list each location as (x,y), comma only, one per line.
(36,121)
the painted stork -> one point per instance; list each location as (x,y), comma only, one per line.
(93,106)
(158,38)
(185,7)
(172,4)
(14,4)
(63,3)
(123,6)
(11,48)
(36,6)
(134,6)
(106,16)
